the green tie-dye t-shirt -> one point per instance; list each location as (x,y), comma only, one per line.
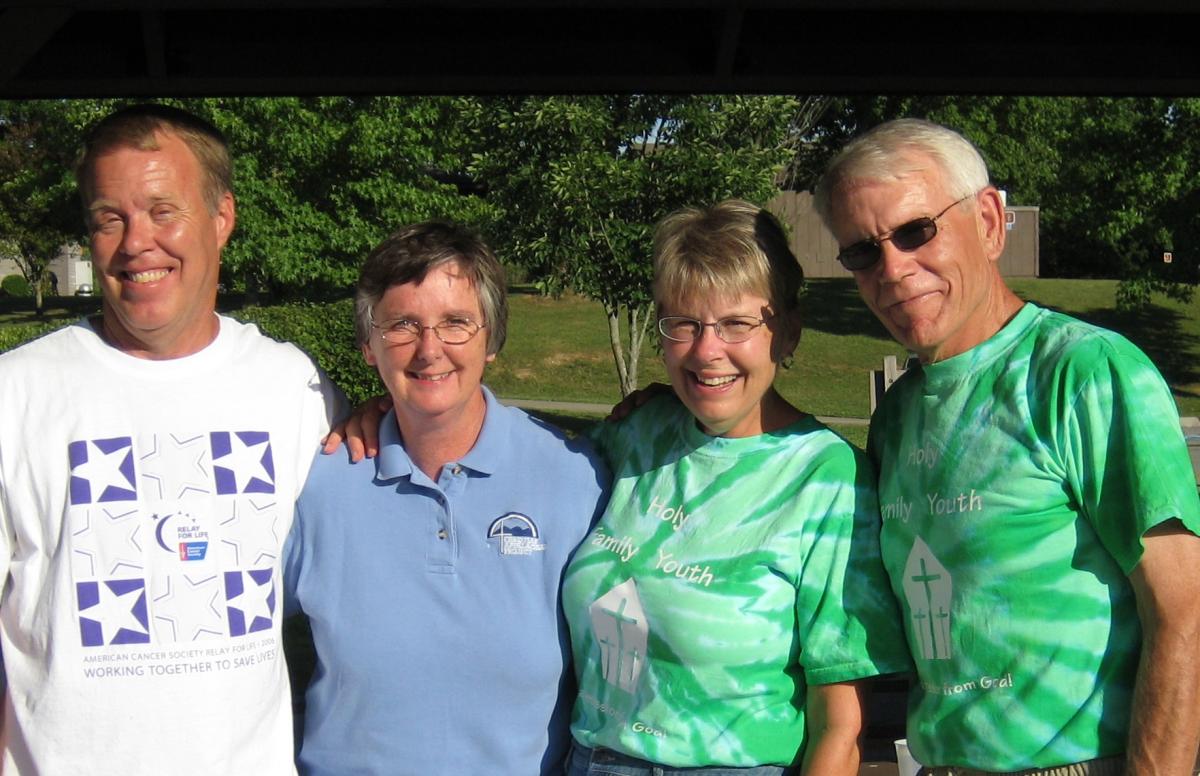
(725,576)
(1016,481)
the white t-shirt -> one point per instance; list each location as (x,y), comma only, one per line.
(143,507)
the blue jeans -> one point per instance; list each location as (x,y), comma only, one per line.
(606,762)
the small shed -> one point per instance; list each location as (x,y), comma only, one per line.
(817,251)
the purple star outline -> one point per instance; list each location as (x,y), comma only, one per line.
(233,588)
(92,631)
(225,477)
(81,489)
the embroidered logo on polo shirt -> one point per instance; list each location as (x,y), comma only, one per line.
(518,534)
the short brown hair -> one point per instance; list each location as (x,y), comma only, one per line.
(409,254)
(138,127)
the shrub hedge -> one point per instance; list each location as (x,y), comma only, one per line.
(325,331)
(15,285)
(19,333)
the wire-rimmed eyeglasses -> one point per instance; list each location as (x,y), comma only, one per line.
(734,329)
(907,237)
(452,331)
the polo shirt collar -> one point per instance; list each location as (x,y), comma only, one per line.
(492,444)
(393,460)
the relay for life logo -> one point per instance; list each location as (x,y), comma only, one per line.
(174,537)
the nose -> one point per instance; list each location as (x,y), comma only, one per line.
(429,347)
(708,345)
(137,236)
(894,264)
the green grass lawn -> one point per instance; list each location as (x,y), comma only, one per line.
(558,348)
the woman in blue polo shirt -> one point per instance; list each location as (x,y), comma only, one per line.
(431,574)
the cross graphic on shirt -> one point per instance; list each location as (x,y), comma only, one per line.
(633,662)
(621,619)
(925,578)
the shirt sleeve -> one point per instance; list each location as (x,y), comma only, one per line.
(1123,448)
(847,616)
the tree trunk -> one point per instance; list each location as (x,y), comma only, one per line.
(614,340)
(637,319)
(38,307)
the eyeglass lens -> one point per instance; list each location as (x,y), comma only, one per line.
(449,332)
(906,237)
(731,330)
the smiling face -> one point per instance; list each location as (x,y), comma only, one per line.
(946,296)
(432,383)
(727,386)
(156,248)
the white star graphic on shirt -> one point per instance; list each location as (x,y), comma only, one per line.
(249,535)
(114,612)
(175,467)
(106,542)
(189,610)
(103,469)
(252,600)
(245,461)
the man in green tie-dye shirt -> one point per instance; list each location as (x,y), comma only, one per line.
(1040,510)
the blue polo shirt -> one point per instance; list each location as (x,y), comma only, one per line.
(441,645)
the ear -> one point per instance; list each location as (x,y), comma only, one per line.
(368,355)
(992,229)
(225,218)
(489,358)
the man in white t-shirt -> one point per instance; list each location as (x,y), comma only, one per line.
(149,462)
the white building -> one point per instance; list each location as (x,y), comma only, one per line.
(72,268)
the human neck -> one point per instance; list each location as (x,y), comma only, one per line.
(778,412)
(163,348)
(998,309)
(432,442)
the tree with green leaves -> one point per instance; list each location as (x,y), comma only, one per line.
(320,181)
(580,181)
(39,210)
(1117,179)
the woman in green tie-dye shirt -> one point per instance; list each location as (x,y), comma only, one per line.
(730,602)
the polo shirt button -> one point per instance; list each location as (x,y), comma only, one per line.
(457,470)
(442,533)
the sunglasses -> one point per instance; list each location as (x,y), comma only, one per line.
(907,237)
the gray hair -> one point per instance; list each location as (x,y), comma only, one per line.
(409,254)
(885,153)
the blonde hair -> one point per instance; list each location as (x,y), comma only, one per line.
(725,250)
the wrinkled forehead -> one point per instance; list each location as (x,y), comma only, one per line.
(447,277)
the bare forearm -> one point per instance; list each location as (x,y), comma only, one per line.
(832,753)
(1165,725)
(835,722)
(1165,728)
